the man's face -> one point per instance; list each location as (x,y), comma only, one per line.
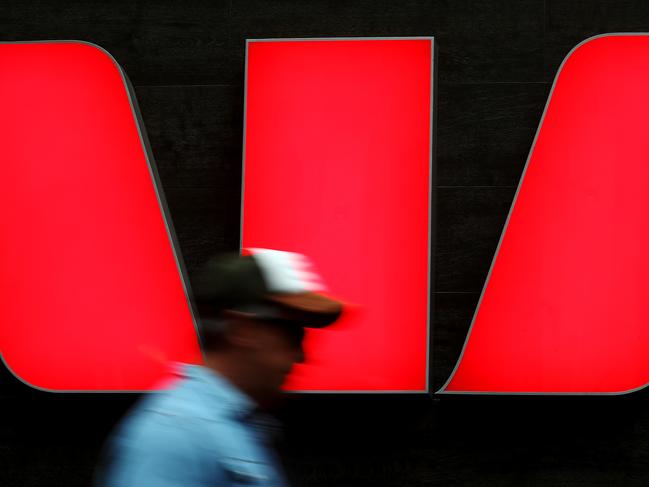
(279,348)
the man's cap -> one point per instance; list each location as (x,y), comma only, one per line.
(267,284)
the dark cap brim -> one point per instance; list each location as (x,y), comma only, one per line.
(313,310)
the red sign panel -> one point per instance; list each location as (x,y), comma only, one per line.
(337,165)
(92,297)
(564,308)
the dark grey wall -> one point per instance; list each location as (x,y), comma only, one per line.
(497,60)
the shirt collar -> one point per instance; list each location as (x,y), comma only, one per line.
(219,392)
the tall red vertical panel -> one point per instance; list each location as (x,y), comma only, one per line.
(337,165)
(564,308)
(91,297)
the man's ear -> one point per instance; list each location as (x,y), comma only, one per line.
(242,332)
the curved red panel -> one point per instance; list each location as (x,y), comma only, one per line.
(565,306)
(92,297)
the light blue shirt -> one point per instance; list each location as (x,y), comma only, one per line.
(202,432)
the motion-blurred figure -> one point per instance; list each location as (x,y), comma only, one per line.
(209,428)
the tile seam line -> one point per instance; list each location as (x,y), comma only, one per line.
(476,186)
(233,85)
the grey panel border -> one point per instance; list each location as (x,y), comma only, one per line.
(442,391)
(431,189)
(162,203)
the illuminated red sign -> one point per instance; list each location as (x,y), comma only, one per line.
(337,166)
(564,306)
(92,297)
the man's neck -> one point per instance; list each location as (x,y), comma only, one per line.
(229,369)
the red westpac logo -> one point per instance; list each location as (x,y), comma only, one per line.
(93,293)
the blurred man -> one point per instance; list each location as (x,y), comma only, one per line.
(208,429)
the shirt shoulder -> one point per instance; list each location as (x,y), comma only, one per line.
(193,427)
(154,448)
